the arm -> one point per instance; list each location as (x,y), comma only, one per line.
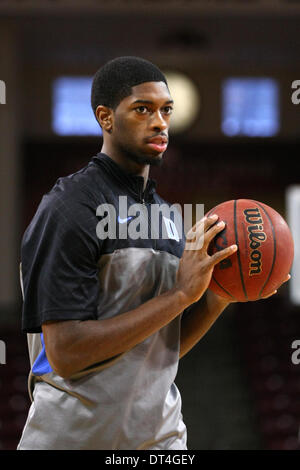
(199,320)
(202,315)
(74,345)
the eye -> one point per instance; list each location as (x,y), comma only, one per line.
(141,109)
(168,109)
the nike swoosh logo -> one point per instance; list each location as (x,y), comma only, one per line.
(123,221)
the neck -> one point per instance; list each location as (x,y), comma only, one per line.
(126,162)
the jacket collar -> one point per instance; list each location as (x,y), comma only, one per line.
(132,183)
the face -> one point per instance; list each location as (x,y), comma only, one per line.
(140,123)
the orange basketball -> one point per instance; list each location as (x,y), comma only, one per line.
(265,250)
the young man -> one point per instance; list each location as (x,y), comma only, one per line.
(104,314)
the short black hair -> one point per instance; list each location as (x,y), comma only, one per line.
(113,82)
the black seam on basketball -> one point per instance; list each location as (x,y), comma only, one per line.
(232,296)
(238,253)
(274,254)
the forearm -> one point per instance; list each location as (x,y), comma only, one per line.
(199,320)
(72,346)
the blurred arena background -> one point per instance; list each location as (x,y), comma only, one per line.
(240,387)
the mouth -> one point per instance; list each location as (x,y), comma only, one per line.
(158,143)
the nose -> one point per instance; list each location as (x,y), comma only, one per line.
(158,121)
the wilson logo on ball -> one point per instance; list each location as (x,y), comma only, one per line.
(256,236)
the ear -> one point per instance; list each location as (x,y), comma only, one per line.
(104,116)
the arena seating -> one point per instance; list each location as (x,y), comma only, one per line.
(14,399)
(266,331)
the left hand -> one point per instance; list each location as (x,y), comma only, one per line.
(226,302)
(275,291)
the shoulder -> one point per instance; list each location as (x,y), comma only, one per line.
(73,196)
(85,186)
(69,206)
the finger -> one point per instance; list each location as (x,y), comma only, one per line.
(210,230)
(205,223)
(196,233)
(213,231)
(275,291)
(209,221)
(269,295)
(194,230)
(223,254)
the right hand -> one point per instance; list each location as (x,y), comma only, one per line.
(196,265)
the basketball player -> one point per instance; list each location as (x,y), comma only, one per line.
(104,316)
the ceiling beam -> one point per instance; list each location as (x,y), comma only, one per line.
(171,7)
